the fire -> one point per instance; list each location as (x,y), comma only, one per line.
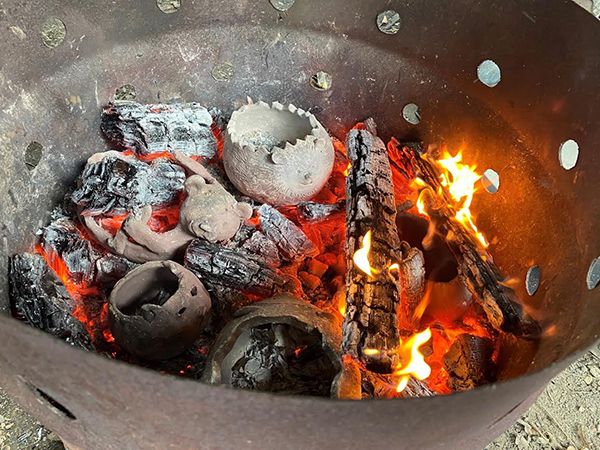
(461,179)
(347,170)
(412,362)
(361,256)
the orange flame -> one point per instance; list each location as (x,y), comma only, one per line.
(412,362)
(361,256)
(461,179)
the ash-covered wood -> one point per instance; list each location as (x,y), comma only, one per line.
(476,266)
(469,362)
(293,244)
(62,239)
(221,267)
(40,299)
(371,301)
(155,128)
(115,184)
(254,241)
(316,212)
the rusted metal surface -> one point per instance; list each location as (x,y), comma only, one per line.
(541,213)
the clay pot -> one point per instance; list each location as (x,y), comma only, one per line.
(277,154)
(158,310)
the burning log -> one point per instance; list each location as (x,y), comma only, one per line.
(371,326)
(316,212)
(149,129)
(40,299)
(158,310)
(291,241)
(376,385)
(469,362)
(476,267)
(282,345)
(222,267)
(115,184)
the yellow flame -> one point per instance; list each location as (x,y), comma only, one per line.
(347,171)
(412,362)
(421,203)
(371,351)
(361,256)
(461,179)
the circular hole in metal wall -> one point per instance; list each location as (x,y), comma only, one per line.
(125,92)
(282,5)
(593,275)
(223,71)
(53,32)
(532,279)
(33,155)
(389,22)
(491,181)
(321,81)
(568,153)
(168,6)
(488,72)
(411,114)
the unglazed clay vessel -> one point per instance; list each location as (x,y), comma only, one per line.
(158,310)
(277,154)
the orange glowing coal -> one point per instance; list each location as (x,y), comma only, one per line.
(361,256)
(412,362)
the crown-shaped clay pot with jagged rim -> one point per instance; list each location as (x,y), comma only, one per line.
(277,154)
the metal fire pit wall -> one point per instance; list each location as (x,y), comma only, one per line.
(220,52)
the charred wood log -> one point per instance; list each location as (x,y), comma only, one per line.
(114,184)
(157,128)
(293,244)
(469,362)
(220,267)
(476,267)
(63,243)
(254,241)
(316,212)
(40,299)
(371,301)
(376,385)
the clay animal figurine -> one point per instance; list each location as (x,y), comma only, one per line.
(209,212)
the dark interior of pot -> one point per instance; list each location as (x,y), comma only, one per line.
(544,215)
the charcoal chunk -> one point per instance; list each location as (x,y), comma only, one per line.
(117,184)
(64,244)
(293,244)
(40,299)
(254,241)
(469,362)
(221,267)
(148,129)
(62,240)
